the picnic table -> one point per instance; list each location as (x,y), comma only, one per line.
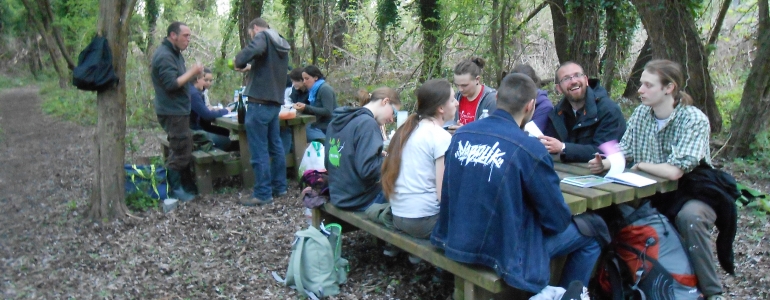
(478,282)
(293,159)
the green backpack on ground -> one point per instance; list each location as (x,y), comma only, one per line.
(316,268)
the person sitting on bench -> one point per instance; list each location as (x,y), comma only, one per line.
(354,150)
(414,167)
(201,115)
(501,205)
(321,101)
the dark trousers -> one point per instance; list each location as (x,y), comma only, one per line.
(179,141)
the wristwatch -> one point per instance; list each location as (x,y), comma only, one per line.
(563,145)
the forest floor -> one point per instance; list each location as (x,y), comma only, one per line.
(208,248)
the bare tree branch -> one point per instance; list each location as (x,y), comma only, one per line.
(717,26)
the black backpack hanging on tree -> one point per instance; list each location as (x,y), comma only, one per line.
(95,71)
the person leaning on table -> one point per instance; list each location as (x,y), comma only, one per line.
(268,56)
(501,205)
(669,137)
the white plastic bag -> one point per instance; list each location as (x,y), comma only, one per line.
(313,159)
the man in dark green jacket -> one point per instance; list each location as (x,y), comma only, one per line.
(172,106)
(584,119)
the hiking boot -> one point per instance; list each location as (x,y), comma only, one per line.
(718,297)
(254,201)
(174,179)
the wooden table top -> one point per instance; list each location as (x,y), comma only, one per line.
(581,199)
(232,122)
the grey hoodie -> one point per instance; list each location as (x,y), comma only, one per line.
(268,54)
(353,158)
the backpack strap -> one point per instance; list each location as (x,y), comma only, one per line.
(296,259)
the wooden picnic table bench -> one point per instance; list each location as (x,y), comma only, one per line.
(478,282)
(208,165)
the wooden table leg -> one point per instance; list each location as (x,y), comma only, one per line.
(246,170)
(300,144)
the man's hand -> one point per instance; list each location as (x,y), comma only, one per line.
(299,106)
(553,145)
(598,165)
(246,69)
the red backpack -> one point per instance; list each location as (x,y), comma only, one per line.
(646,260)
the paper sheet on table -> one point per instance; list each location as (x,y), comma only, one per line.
(617,161)
(532,129)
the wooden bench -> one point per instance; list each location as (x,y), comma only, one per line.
(472,282)
(208,165)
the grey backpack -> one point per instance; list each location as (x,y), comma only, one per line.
(316,268)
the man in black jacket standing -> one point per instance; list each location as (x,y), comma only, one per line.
(584,119)
(266,58)
(172,106)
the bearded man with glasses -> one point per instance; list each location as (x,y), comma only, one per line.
(585,117)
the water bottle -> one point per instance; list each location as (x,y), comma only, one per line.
(241,110)
(484,114)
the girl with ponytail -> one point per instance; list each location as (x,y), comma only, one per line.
(414,168)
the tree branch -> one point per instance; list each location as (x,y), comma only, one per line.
(717,26)
(530,16)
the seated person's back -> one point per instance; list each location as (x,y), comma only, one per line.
(500,202)
(354,150)
(414,167)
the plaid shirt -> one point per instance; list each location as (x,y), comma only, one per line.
(683,142)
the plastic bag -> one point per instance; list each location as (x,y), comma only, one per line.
(313,159)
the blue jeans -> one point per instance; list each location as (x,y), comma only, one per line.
(314,133)
(267,156)
(583,252)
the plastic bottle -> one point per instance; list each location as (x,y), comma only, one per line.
(484,114)
(241,110)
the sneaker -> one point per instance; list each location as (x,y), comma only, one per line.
(718,297)
(280,194)
(255,201)
(391,251)
(183,196)
(414,259)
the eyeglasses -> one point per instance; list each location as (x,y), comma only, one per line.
(569,78)
(395,111)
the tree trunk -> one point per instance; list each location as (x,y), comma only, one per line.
(560,28)
(152,11)
(291,13)
(583,46)
(107,195)
(50,45)
(316,15)
(340,27)
(673,36)
(610,56)
(632,85)
(45,8)
(432,45)
(250,10)
(712,41)
(754,111)
(387,14)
